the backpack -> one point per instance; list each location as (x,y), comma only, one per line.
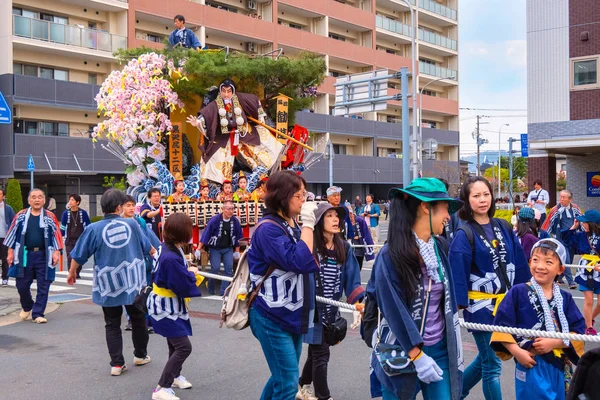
(470,234)
(370,320)
(584,384)
(237,299)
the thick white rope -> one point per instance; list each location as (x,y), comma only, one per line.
(467,325)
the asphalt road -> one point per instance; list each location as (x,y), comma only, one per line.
(67,358)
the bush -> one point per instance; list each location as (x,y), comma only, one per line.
(97,218)
(14,197)
(504,214)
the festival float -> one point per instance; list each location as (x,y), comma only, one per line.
(207,118)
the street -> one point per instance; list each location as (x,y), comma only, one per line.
(67,357)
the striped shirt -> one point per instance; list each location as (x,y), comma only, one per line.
(434,323)
(331,278)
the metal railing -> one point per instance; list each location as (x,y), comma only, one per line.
(437,8)
(393,26)
(67,34)
(437,40)
(441,72)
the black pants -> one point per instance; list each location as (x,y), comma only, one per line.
(315,370)
(3,254)
(69,248)
(360,260)
(114,340)
(542,219)
(180,349)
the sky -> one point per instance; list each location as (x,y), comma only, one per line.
(492,70)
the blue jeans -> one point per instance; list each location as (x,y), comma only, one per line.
(282,351)
(433,391)
(35,269)
(218,256)
(486,366)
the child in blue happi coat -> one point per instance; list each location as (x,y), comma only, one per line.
(173,284)
(588,279)
(543,365)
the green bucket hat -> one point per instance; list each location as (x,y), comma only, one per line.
(428,190)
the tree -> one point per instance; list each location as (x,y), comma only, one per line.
(504,176)
(112,182)
(14,197)
(519,166)
(561,180)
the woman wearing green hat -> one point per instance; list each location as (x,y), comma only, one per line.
(487,260)
(417,344)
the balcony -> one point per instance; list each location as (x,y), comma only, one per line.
(101,5)
(442,45)
(434,70)
(397,31)
(439,11)
(66,37)
(54,93)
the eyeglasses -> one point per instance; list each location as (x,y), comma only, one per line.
(301,196)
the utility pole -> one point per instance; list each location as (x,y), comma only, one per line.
(480,141)
(510,170)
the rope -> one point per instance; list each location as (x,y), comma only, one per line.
(467,325)
(578,266)
(366,245)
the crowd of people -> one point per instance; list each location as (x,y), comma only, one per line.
(442,255)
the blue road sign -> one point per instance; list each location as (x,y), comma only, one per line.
(5,112)
(30,164)
(524,145)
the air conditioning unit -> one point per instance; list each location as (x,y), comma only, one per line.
(252,4)
(251,47)
(141,35)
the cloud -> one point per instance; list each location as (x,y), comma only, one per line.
(516,52)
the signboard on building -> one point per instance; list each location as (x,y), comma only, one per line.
(524,145)
(5,112)
(593,184)
(176,150)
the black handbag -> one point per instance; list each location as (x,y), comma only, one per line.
(140,301)
(336,331)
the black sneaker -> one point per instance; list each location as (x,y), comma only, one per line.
(128,326)
(572,285)
(150,330)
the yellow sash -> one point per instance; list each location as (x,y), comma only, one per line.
(169,293)
(485,296)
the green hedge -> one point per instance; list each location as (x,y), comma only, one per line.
(14,197)
(504,214)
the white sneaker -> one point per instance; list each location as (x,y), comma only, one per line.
(141,361)
(164,394)
(181,383)
(116,371)
(305,393)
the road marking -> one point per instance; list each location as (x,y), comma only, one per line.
(53,288)
(83,274)
(79,281)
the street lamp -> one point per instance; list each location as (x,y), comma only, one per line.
(499,154)
(421,109)
(415,144)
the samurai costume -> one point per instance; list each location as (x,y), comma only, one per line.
(525,306)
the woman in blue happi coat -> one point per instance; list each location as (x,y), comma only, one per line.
(412,284)
(588,279)
(487,260)
(338,274)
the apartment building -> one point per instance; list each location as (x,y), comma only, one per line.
(563,50)
(57,52)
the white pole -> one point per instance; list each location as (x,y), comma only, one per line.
(499,155)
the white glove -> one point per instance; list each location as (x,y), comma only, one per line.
(236,255)
(357,319)
(427,369)
(308,214)
(197,254)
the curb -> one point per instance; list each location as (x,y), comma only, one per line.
(13,317)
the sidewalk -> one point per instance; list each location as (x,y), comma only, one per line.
(10,306)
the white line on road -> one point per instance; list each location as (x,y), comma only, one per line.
(53,288)
(83,274)
(79,281)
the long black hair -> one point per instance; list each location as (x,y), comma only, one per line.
(594,229)
(466,212)
(319,243)
(402,246)
(525,226)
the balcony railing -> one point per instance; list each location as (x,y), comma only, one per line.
(66,34)
(437,8)
(434,70)
(437,40)
(393,26)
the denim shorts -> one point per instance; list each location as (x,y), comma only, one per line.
(583,288)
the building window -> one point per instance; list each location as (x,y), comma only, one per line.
(427,61)
(339,149)
(337,37)
(154,38)
(584,73)
(393,120)
(295,26)
(45,128)
(41,72)
(93,79)
(429,93)
(30,70)
(429,124)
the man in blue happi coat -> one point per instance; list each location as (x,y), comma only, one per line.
(183,36)
(119,247)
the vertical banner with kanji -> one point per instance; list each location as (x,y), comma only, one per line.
(282,114)
(175,150)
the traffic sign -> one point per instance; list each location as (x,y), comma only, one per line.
(30,164)
(5,112)
(524,145)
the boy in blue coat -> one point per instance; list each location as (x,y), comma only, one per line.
(540,305)
(183,36)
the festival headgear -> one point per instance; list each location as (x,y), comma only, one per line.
(227,83)
(242,175)
(204,183)
(553,245)
(226,181)
(178,177)
(428,190)
(333,190)
(590,216)
(324,207)
(526,213)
